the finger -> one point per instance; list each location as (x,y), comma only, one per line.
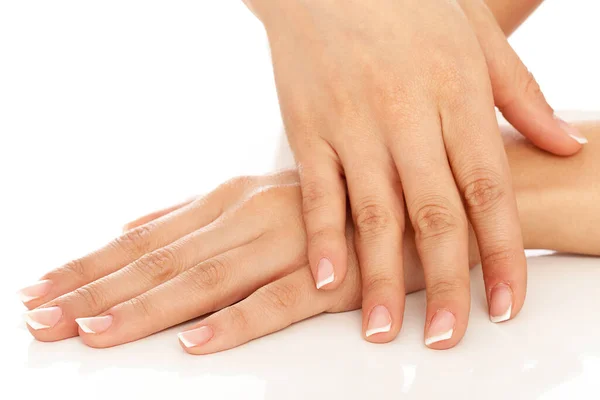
(482,174)
(440,226)
(154,215)
(516,92)
(145,273)
(127,248)
(378,214)
(207,287)
(324,212)
(271,308)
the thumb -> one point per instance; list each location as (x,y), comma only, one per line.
(516,92)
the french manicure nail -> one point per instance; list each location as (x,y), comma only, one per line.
(43,318)
(441,327)
(379,321)
(196,337)
(571,131)
(35,291)
(325,274)
(95,324)
(500,303)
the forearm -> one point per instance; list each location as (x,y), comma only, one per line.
(512,13)
(558,198)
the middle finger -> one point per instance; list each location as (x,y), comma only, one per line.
(441,230)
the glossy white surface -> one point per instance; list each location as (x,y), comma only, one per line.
(550,351)
(110,111)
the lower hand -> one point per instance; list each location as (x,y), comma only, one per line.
(244,241)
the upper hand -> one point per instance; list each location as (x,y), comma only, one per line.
(395,100)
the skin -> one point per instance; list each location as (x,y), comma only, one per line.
(391,104)
(240,252)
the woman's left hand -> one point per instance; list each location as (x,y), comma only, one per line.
(245,239)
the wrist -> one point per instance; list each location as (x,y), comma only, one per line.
(557,197)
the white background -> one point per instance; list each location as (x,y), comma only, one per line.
(111,109)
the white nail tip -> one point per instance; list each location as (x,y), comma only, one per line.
(438,338)
(82,322)
(325,281)
(503,317)
(185,342)
(27,298)
(34,324)
(579,140)
(382,329)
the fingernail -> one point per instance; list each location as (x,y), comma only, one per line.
(571,131)
(196,337)
(325,274)
(500,303)
(441,327)
(43,318)
(95,324)
(35,291)
(379,321)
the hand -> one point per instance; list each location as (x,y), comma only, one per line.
(246,237)
(551,197)
(395,99)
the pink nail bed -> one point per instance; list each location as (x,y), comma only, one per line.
(95,324)
(380,321)
(501,303)
(43,318)
(196,337)
(573,132)
(441,327)
(325,273)
(35,291)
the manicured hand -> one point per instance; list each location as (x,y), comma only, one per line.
(244,239)
(394,100)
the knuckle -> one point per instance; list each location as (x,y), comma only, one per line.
(378,282)
(527,86)
(327,236)
(77,269)
(281,296)
(158,266)
(263,197)
(372,219)
(446,289)
(342,101)
(141,306)
(455,81)
(499,258)
(449,69)
(393,99)
(239,183)
(136,241)
(238,318)
(92,297)
(435,219)
(211,273)
(530,85)
(314,196)
(483,192)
